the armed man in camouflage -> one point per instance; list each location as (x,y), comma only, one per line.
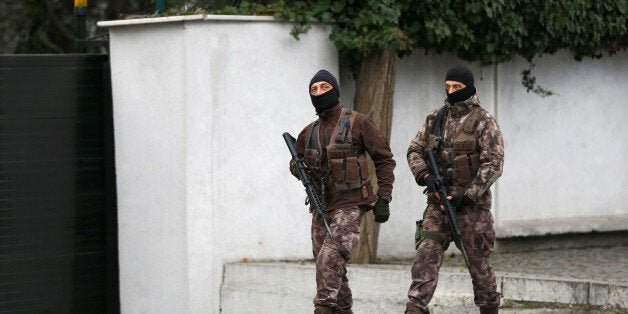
(469,151)
(334,149)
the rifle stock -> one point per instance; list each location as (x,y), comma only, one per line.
(442,194)
(306,179)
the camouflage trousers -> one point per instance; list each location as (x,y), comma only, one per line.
(478,237)
(332,285)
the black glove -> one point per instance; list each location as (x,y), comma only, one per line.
(381,211)
(460,199)
(430,182)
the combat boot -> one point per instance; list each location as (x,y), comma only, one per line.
(488,310)
(322,310)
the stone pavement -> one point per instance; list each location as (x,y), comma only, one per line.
(572,280)
(608,264)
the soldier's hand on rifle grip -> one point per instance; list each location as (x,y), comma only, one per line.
(293,169)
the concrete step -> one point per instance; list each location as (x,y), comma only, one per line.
(280,287)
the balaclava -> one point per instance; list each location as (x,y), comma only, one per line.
(463,75)
(330,98)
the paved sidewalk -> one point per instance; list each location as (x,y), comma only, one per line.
(604,265)
(609,265)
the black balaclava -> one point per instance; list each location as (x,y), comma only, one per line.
(463,75)
(330,98)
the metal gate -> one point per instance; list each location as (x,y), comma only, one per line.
(58,232)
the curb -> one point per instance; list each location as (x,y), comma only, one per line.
(290,287)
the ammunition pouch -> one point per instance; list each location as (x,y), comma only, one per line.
(421,234)
(347,171)
(463,168)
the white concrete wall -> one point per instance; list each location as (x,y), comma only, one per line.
(200,103)
(199,110)
(566,168)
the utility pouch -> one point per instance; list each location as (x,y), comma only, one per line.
(464,146)
(339,150)
(421,234)
(343,129)
(336,169)
(461,172)
(471,122)
(351,170)
(464,168)
(417,235)
(364,167)
(474,162)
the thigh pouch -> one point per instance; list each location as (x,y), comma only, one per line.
(422,234)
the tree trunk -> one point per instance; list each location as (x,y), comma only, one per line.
(374,90)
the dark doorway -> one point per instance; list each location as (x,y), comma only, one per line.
(58,220)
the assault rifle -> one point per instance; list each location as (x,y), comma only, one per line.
(306,179)
(441,194)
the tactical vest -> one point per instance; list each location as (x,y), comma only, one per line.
(346,169)
(462,154)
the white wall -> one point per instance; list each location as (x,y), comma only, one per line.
(199,110)
(200,103)
(566,167)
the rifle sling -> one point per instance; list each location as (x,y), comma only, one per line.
(439,121)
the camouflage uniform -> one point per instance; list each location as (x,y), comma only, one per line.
(473,213)
(332,285)
(345,208)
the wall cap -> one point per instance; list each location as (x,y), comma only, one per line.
(185,18)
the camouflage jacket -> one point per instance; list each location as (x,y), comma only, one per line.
(488,144)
